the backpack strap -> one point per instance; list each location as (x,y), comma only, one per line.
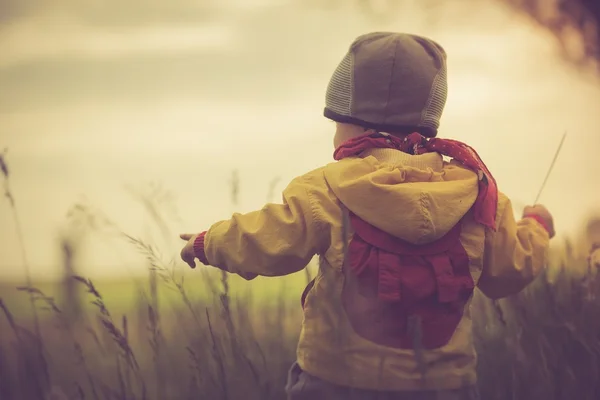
(346,228)
(305,292)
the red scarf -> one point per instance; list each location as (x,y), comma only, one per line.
(486,203)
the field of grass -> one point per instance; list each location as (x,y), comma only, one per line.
(123,295)
(235,340)
(215,336)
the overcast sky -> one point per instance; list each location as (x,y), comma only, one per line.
(93,101)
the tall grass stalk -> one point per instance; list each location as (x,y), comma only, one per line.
(21,240)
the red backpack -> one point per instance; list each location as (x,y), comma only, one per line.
(390,283)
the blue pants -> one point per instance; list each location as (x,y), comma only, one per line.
(302,386)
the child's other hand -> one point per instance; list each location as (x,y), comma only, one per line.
(542,215)
(187,253)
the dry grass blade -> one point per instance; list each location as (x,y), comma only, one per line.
(107,322)
(562,141)
(21,240)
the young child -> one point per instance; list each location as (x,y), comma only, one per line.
(403,236)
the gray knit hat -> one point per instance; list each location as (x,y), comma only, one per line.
(390,82)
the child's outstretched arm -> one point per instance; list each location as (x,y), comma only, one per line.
(278,240)
(517,252)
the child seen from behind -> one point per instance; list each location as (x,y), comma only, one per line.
(403,236)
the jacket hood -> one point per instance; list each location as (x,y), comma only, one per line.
(417,198)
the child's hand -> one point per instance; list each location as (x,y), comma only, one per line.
(542,215)
(187,253)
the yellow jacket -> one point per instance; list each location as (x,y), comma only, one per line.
(417,198)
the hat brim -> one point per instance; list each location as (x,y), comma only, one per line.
(425,131)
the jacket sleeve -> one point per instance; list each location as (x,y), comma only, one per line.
(514,254)
(278,240)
